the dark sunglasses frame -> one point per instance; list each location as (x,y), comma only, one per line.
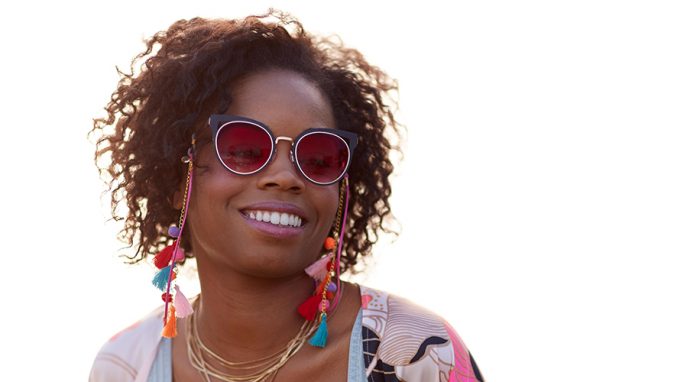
(217,121)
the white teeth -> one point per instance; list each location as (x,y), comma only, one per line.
(277,218)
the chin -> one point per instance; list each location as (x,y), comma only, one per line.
(270,264)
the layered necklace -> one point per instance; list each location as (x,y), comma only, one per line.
(212,365)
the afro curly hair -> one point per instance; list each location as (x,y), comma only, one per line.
(188,70)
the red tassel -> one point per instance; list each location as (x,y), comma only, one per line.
(308,308)
(163,257)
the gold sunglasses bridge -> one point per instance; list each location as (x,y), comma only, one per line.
(291,144)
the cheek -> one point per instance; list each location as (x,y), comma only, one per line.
(212,189)
(328,208)
(212,181)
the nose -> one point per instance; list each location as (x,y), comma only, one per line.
(281,172)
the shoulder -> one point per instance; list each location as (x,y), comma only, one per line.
(123,356)
(404,341)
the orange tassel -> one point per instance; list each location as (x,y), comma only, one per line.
(320,286)
(170,329)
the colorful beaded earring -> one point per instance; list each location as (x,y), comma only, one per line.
(323,271)
(177,306)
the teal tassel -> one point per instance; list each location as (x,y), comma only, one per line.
(160,280)
(319,339)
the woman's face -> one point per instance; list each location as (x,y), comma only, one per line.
(219,220)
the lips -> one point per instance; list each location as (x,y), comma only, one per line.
(274,218)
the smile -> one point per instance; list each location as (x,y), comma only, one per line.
(274,217)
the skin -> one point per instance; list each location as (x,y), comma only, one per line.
(251,282)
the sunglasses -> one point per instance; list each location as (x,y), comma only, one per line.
(245,146)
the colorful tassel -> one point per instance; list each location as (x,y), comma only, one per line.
(308,308)
(179,255)
(170,328)
(160,280)
(326,289)
(319,339)
(182,305)
(163,257)
(167,259)
(318,269)
(319,288)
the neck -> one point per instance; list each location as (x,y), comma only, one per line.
(241,317)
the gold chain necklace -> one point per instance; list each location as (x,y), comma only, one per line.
(270,365)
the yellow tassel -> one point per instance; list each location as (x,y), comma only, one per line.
(170,329)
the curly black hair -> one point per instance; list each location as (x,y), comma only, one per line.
(185,74)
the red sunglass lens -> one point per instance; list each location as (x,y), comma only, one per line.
(243,147)
(322,157)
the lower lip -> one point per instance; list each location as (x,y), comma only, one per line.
(278,231)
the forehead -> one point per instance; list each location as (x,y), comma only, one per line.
(284,100)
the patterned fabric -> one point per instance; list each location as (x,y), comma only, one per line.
(404,342)
(392,340)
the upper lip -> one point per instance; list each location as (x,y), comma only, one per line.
(277,206)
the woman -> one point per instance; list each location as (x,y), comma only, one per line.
(260,151)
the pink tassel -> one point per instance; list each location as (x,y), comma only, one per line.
(318,269)
(182,304)
(179,255)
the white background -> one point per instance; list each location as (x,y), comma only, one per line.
(549,196)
